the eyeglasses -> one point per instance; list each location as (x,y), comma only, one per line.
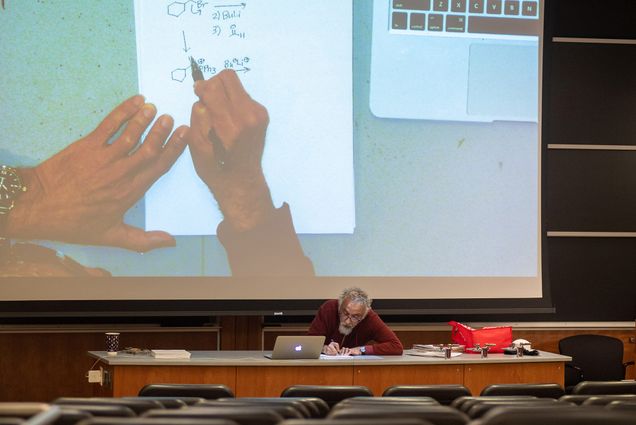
(354,318)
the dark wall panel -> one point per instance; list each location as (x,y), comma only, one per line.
(591,95)
(590,190)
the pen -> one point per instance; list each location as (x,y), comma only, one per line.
(217,146)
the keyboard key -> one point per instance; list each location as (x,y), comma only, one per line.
(398,20)
(435,22)
(458,5)
(491,25)
(412,4)
(455,23)
(511,7)
(417,21)
(440,5)
(494,7)
(529,8)
(476,6)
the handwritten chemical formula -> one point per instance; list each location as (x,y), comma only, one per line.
(224,22)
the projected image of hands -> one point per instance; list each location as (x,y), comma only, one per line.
(80,195)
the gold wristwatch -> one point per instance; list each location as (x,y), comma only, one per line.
(11,187)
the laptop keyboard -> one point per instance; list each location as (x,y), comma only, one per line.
(465,17)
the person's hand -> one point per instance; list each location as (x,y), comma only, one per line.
(332,349)
(226,142)
(80,195)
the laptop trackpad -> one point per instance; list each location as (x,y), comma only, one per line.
(503,81)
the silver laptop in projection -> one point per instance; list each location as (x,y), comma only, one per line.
(457,60)
(297,347)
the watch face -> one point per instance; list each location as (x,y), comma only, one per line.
(10,184)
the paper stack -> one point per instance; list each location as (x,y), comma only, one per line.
(170,354)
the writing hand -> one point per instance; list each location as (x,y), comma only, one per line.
(80,195)
(332,349)
(344,351)
(226,117)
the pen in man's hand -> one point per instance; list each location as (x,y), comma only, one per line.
(217,146)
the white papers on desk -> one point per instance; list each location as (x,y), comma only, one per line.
(432,354)
(339,357)
(170,354)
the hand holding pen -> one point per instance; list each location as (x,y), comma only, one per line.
(332,349)
(226,143)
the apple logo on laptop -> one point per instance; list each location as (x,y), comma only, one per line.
(298,348)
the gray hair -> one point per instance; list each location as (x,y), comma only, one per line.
(355,296)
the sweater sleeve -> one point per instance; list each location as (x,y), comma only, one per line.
(271,249)
(386,342)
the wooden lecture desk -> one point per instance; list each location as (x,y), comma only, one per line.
(250,374)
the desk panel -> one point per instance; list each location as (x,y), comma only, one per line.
(128,380)
(270,381)
(478,376)
(378,378)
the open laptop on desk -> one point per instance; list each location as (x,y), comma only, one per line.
(456,60)
(297,347)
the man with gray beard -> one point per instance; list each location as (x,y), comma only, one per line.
(351,327)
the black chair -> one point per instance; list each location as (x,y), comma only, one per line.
(604,400)
(478,409)
(594,358)
(317,406)
(305,409)
(102,410)
(169,402)
(444,394)
(364,421)
(331,394)
(538,390)
(627,406)
(609,387)
(566,415)
(155,421)
(465,403)
(386,401)
(435,414)
(286,411)
(138,406)
(206,391)
(242,415)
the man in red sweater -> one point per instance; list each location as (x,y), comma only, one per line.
(351,327)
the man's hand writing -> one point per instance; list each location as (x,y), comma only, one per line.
(332,349)
(226,142)
(80,195)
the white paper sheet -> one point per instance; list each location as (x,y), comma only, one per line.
(293,57)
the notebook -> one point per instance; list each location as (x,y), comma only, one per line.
(297,347)
(457,60)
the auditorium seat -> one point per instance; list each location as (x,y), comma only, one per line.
(138,406)
(206,391)
(606,387)
(538,390)
(465,403)
(331,394)
(435,414)
(286,411)
(305,410)
(364,421)
(317,406)
(444,394)
(627,406)
(478,409)
(155,421)
(568,415)
(602,400)
(386,401)
(242,415)
(102,410)
(170,402)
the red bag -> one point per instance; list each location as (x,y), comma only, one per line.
(501,336)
